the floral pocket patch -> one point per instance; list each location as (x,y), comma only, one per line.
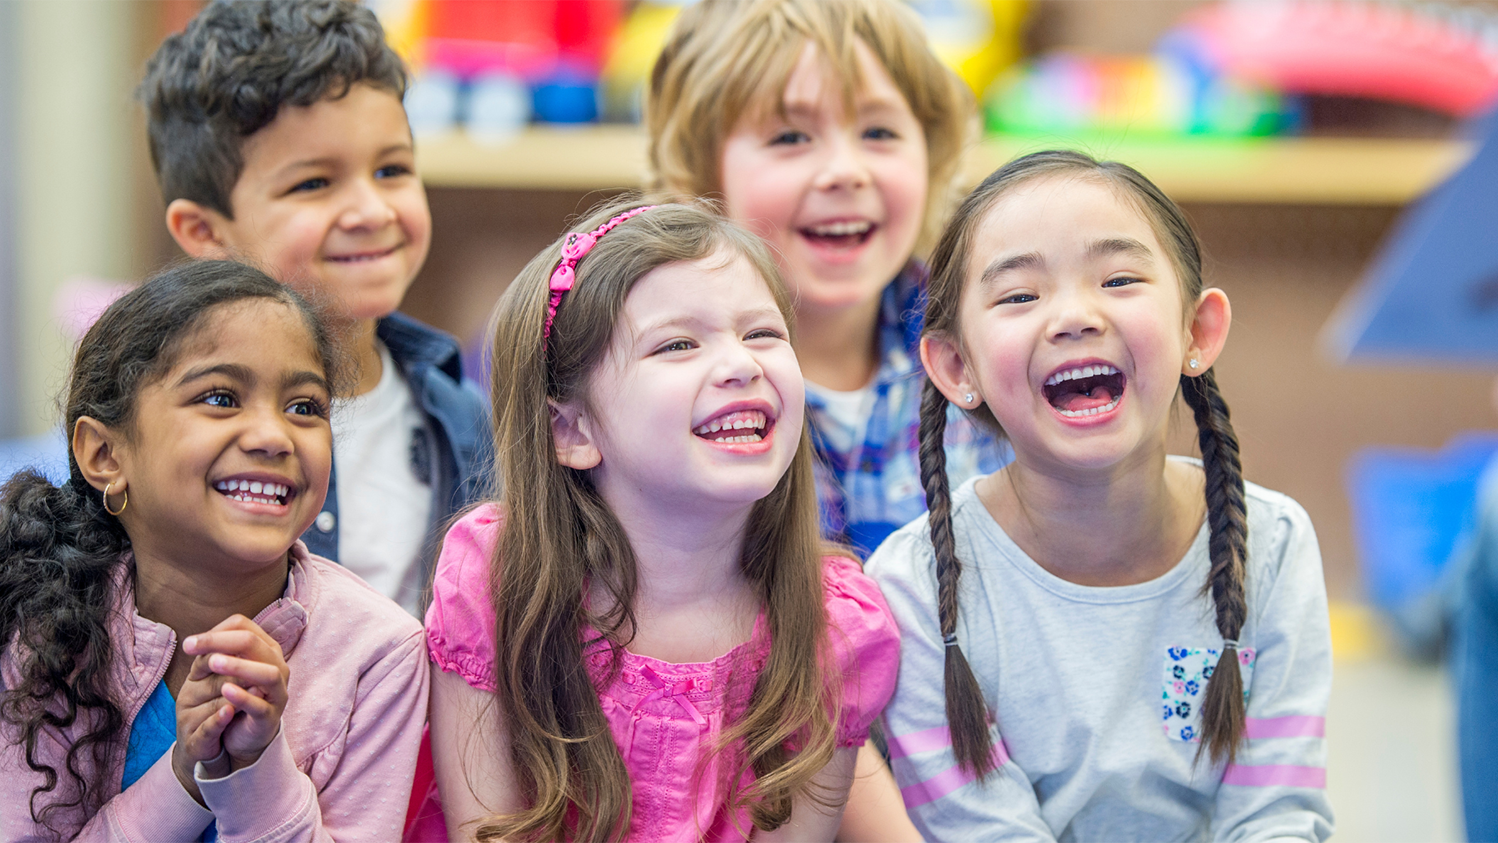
(1187,670)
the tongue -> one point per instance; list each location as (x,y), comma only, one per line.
(1098,396)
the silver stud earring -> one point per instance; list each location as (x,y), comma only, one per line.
(967,398)
(1192,363)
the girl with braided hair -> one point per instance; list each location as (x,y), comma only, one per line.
(1100,641)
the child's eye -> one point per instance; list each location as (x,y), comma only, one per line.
(1123,281)
(1018,298)
(309,185)
(308,407)
(219,398)
(879,133)
(676,345)
(765,333)
(390,171)
(789,137)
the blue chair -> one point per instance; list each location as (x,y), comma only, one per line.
(1412,510)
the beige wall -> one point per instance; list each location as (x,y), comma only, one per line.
(74,192)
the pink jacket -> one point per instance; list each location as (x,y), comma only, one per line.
(341,767)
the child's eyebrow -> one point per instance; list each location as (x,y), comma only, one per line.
(303,378)
(1119,246)
(233,371)
(688,321)
(244,375)
(334,160)
(1028,260)
(879,105)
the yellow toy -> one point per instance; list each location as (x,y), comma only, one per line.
(977,38)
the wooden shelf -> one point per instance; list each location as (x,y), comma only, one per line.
(1337,171)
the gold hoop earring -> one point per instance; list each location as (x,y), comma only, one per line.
(123,504)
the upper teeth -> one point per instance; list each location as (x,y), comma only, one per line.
(254,487)
(833,229)
(1083,372)
(741,420)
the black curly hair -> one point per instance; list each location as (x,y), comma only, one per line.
(226,76)
(60,551)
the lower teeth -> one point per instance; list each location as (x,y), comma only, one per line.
(1073,414)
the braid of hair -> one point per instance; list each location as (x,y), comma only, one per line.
(1223,707)
(967,714)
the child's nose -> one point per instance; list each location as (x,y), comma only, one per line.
(266,432)
(367,206)
(844,166)
(738,366)
(1075,315)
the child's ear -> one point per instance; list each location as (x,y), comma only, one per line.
(573,435)
(96,449)
(946,368)
(1208,331)
(197,229)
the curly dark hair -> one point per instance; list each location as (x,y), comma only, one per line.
(60,551)
(226,76)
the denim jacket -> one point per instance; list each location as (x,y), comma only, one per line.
(455,449)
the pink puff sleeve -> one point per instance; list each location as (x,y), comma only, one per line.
(865,645)
(460,621)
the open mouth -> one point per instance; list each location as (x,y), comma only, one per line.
(363,257)
(254,491)
(735,428)
(1085,390)
(843,234)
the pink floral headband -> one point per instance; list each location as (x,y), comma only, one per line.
(577,245)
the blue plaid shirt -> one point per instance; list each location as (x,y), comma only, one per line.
(874,488)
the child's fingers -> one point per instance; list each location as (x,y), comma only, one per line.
(199,670)
(253,705)
(252,674)
(199,729)
(253,644)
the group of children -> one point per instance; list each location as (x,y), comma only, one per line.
(638,558)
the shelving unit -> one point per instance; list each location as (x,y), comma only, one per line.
(1315,170)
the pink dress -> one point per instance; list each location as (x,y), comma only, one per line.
(666,717)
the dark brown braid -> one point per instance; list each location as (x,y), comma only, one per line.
(1222,707)
(967,713)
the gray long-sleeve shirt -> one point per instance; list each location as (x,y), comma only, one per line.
(1094,691)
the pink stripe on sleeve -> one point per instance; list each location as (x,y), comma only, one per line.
(926,740)
(1275,775)
(947,781)
(1298,726)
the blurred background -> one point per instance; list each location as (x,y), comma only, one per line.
(1294,134)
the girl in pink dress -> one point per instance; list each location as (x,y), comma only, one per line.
(644,638)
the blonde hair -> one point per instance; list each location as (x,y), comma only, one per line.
(560,537)
(728,57)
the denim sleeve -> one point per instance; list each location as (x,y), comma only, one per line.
(1476,663)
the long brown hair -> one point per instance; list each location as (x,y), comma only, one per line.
(560,538)
(967,714)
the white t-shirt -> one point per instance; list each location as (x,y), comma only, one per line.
(1095,691)
(843,416)
(384,507)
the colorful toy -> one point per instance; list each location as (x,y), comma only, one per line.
(551,49)
(1436,56)
(1148,95)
